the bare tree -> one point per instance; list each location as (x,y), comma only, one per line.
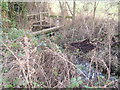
(73,17)
(69,8)
(94,14)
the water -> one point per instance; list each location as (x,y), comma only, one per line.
(92,73)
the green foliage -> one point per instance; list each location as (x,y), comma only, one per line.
(15,45)
(81,67)
(21,54)
(15,82)
(4,70)
(4,12)
(38,85)
(12,83)
(87,86)
(55,71)
(8,84)
(4,6)
(75,82)
(15,33)
(102,80)
(13,23)
(34,41)
(6,20)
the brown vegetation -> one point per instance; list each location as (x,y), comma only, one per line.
(57,49)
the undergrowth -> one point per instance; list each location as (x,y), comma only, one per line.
(47,61)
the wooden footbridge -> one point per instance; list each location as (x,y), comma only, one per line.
(43,22)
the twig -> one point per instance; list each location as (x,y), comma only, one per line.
(17,60)
(92,59)
(63,58)
(108,71)
(27,53)
(109,84)
(109,48)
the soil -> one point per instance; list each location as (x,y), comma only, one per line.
(85,46)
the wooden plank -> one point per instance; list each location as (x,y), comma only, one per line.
(37,14)
(40,21)
(58,16)
(43,31)
(42,25)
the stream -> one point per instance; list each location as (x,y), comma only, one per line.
(92,73)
